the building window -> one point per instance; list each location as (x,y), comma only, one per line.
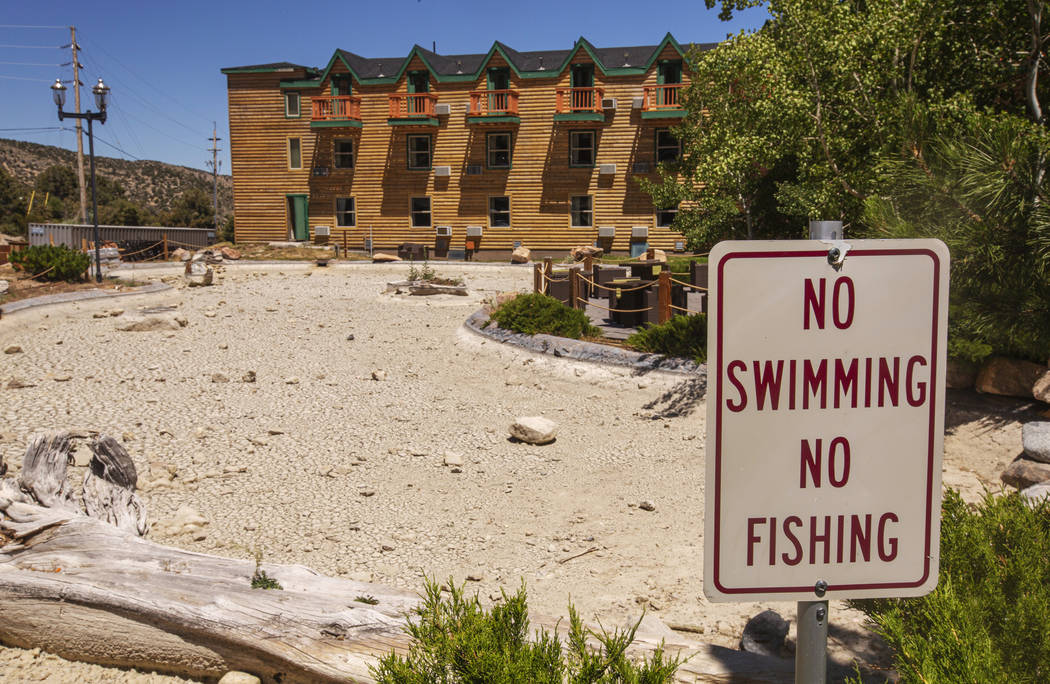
(419,152)
(291,105)
(498,150)
(665,217)
(343,153)
(499,212)
(581,148)
(419,209)
(668,148)
(295,153)
(345,212)
(581,211)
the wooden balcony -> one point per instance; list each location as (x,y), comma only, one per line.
(413,109)
(335,110)
(576,100)
(663,101)
(501,104)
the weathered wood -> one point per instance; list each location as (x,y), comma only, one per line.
(112,462)
(44,469)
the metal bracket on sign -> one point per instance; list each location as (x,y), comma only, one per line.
(837,253)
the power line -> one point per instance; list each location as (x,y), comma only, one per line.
(41,128)
(20,78)
(33,47)
(32,64)
(30,26)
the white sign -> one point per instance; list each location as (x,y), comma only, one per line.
(825,419)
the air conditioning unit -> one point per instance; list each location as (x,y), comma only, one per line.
(607,169)
(639,231)
(474,231)
(444,231)
(642,167)
(608,103)
(606,231)
(679,246)
(442,170)
(321,231)
(442,109)
(637,103)
(473,169)
(320,171)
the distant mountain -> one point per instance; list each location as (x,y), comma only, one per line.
(151,184)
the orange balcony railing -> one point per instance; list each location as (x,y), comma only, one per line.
(662,97)
(336,108)
(413,104)
(493,103)
(579,100)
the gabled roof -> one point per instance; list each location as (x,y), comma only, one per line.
(612,61)
(266,68)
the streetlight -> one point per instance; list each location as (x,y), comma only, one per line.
(101,91)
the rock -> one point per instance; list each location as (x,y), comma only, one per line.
(187,520)
(1024,472)
(230,253)
(219,377)
(764,633)
(379,375)
(381,258)
(181,254)
(248,377)
(63,378)
(1041,388)
(475,577)
(1009,377)
(534,430)
(15,383)
(115,312)
(136,322)
(520,255)
(960,374)
(201,280)
(82,457)
(1037,493)
(579,253)
(13,349)
(236,676)
(660,255)
(453,458)
(1035,437)
(350,337)
(387,546)
(4,285)
(100,314)
(367,492)
(292,381)
(647,505)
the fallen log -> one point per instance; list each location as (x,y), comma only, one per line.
(81,582)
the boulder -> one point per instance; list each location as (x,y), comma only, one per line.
(1009,377)
(181,254)
(578,253)
(1024,472)
(230,253)
(238,677)
(660,255)
(520,255)
(960,374)
(1037,493)
(764,633)
(534,430)
(1035,437)
(381,258)
(4,285)
(198,274)
(136,322)
(1041,388)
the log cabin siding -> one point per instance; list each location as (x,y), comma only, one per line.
(539,183)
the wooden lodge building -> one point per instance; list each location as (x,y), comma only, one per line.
(459,152)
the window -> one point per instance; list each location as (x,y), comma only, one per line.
(343,153)
(341,85)
(582,75)
(665,217)
(581,148)
(419,209)
(291,105)
(419,152)
(499,212)
(667,146)
(345,212)
(581,210)
(295,153)
(498,150)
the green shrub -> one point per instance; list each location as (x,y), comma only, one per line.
(684,336)
(456,640)
(52,262)
(537,313)
(989,618)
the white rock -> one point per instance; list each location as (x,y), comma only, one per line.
(238,677)
(134,322)
(3,286)
(534,429)
(453,458)
(379,375)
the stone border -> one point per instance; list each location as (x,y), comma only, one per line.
(82,295)
(579,350)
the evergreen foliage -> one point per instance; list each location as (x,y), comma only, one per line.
(52,262)
(684,336)
(537,313)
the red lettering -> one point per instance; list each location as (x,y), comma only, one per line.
(788,522)
(752,538)
(813,380)
(815,539)
(766,383)
(811,301)
(812,462)
(846,322)
(846,381)
(835,443)
(860,539)
(920,397)
(884,555)
(888,381)
(739,406)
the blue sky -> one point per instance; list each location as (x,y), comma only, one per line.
(162,59)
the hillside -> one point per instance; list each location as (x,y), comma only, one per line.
(151,184)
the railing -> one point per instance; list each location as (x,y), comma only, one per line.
(414,104)
(336,108)
(579,100)
(493,102)
(662,97)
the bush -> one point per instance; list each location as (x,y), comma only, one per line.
(537,313)
(456,640)
(52,262)
(989,618)
(684,336)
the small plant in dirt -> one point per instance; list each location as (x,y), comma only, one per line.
(454,639)
(370,600)
(684,336)
(424,273)
(988,620)
(260,580)
(536,313)
(52,262)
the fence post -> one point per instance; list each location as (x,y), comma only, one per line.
(548,270)
(574,288)
(537,278)
(663,296)
(83,244)
(164,238)
(344,244)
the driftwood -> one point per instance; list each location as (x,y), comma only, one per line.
(82,583)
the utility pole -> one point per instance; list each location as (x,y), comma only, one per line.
(214,163)
(80,140)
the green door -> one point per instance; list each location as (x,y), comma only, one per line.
(298,217)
